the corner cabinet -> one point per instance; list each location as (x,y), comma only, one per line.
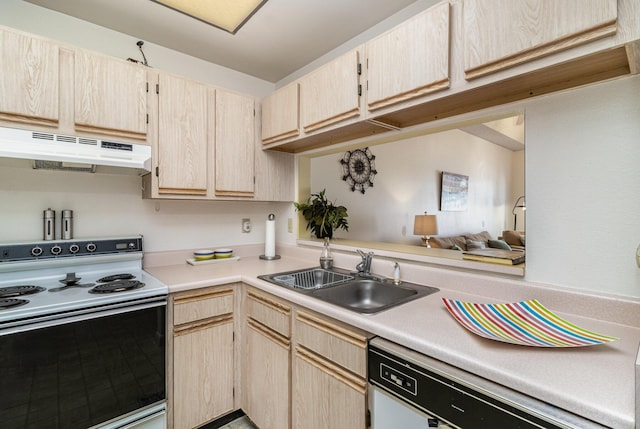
(206,145)
(302,370)
(410,60)
(331,94)
(200,376)
(29,79)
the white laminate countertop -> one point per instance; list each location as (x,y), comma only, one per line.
(596,382)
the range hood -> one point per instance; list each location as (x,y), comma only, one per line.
(64,152)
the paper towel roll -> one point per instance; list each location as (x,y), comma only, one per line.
(270,237)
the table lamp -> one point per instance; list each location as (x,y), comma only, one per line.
(425,225)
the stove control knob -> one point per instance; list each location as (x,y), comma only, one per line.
(74,248)
(56,250)
(91,247)
(36,251)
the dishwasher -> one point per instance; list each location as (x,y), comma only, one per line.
(410,390)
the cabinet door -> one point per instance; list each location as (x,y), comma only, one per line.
(29,79)
(326,396)
(503,33)
(110,95)
(331,93)
(409,61)
(203,373)
(280,114)
(182,136)
(234,144)
(268,377)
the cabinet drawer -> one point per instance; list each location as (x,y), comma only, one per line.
(205,304)
(346,347)
(270,312)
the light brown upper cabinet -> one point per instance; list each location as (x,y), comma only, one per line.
(183,124)
(280,114)
(234,144)
(29,79)
(410,60)
(331,93)
(110,96)
(503,33)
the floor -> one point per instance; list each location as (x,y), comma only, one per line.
(240,423)
(234,420)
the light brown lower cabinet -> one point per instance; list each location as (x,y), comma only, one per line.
(201,356)
(325,395)
(329,381)
(268,377)
(268,361)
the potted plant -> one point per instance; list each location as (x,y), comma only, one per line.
(322,215)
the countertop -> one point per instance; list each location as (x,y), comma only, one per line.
(596,382)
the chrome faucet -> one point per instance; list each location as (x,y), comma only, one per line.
(364,267)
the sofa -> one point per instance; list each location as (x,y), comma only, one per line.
(510,240)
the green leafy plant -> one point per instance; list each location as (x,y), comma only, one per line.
(322,215)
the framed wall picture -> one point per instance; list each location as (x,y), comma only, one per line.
(454,194)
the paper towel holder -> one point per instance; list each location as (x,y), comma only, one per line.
(270,218)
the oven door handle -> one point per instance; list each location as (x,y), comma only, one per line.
(80,315)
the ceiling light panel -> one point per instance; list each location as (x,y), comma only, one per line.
(228,15)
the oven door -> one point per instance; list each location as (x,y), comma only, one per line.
(84,370)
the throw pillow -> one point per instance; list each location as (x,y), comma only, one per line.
(475,245)
(499,244)
(483,236)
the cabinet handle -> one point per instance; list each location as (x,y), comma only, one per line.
(183,299)
(334,330)
(274,305)
(331,369)
(203,324)
(269,333)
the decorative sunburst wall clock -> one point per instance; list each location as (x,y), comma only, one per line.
(359,169)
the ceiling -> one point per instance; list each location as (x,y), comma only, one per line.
(282,37)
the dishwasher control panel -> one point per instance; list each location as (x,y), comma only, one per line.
(396,377)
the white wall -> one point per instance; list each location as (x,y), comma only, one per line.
(583,187)
(111,205)
(47,23)
(408,183)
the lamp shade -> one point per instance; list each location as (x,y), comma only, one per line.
(425,224)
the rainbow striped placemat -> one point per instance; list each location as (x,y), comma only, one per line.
(526,323)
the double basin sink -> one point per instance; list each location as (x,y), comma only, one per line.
(363,294)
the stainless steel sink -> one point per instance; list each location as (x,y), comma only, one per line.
(308,279)
(364,295)
(371,296)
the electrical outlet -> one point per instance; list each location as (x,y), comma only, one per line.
(246,225)
(290,225)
